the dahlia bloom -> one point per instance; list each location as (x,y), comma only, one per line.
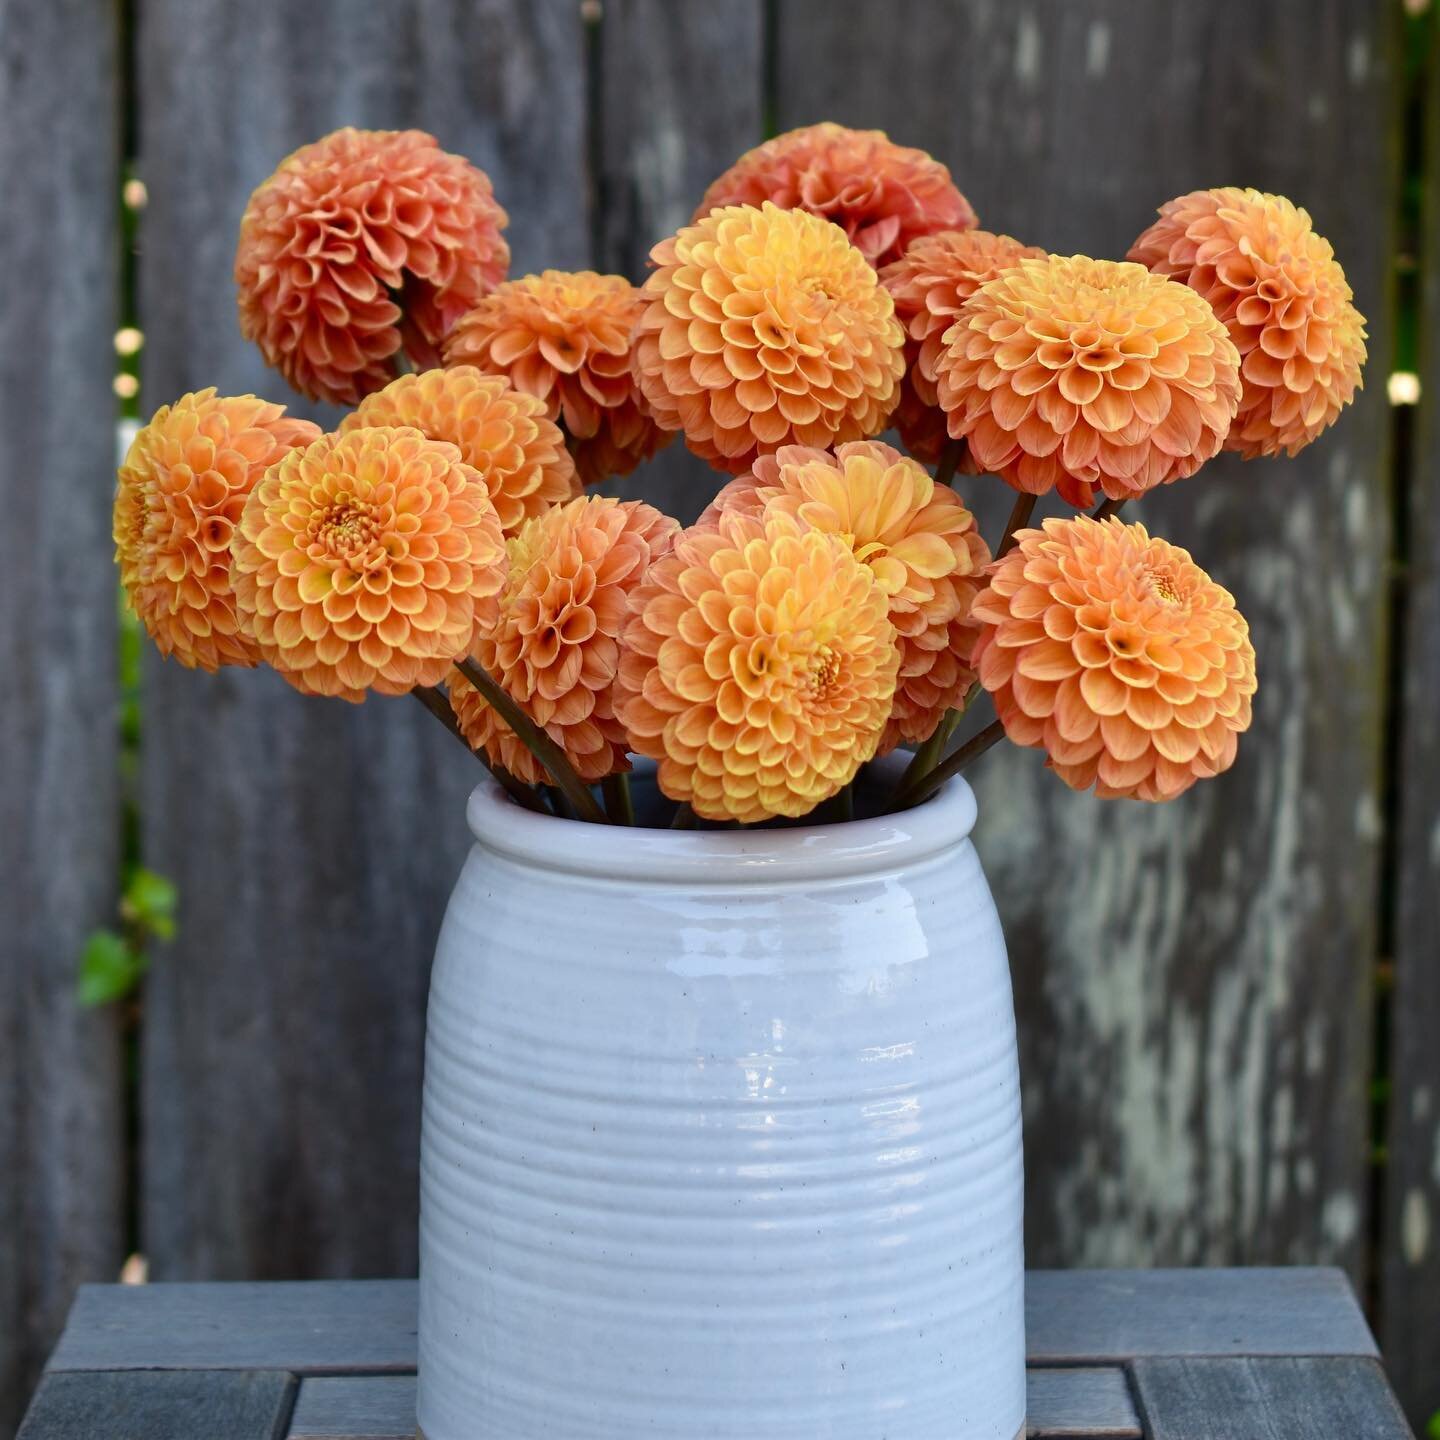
(1072,374)
(882,195)
(766,328)
(929,283)
(179,498)
(566,338)
(920,543)
(366,560)
(555,646)
(757,667)
(343,235)
(1116,654)
(503,434)
(1285,300)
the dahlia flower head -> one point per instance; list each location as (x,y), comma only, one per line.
(361,246)
(365,561)
(1284,299)
(179,498)
(882,195)
(929,283)
(503,434)
(766,327)
(566,339)
(1117,655)
(1072,374)
(757,667)
(555,645)
(920,543)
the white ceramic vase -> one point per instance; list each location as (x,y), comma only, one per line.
(721,1136)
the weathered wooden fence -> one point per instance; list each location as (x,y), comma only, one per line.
(1197,983)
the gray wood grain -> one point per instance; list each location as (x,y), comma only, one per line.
(1060,1403)
(1192,978)
(368,1326)
(314,843)
(60,1078)
(1295,1399)
(1409,1318)
(680,98)
(161,1405)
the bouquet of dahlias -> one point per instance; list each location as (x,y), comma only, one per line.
(835,600)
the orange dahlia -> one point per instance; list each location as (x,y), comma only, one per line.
(361,245)
(1281,292)
(503,434)
(757,667)
(366,560)
(929,283)
(566,338)
(180,494)
(882,195)
(1072,373)
(555,646)
(1116,654)
(919,541)
(766,328)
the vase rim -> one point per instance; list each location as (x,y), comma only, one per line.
(637,854)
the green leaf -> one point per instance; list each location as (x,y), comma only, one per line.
(150,902)
(1433,1428)
(109,969)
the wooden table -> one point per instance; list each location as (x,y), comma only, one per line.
(1168,1354)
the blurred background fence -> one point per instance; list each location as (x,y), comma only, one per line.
(1229,1006)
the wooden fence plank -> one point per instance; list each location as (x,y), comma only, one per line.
(61,1132)
(1193,979)
(666,130)
(1410,1273)
(313,843)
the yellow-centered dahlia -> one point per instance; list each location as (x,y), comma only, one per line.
(1072,374)
(929,283)
(920,543)
(758,667)
(1117,655)
(766,328)
(566,338)
(882,195)
(1285,300)
(556,644)
(500,432)
(178,500)
(359,246)
(366,560)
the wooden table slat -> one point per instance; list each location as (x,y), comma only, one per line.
(368,1326)
(161,1405)
(1296,1398)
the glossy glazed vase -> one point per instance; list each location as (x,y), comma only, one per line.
(721,1136)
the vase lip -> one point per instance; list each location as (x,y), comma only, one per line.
(641,854)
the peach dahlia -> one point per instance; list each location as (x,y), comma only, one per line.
(757,667)
(1072,374)
(366,560)
(180,494)
(566,339)
(882,195)
(920,543)
(929,283)
(500,432)
(766,328)
(1281,292)
(555,645)
(1116,654)
(360,246)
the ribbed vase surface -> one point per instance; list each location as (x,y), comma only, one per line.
(721,1136)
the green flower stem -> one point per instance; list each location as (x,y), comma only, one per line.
(535,740)
(685,818)
(927,784)
(1109,508)
(950,458)
(436,703)
(618,804)
(1020,514)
